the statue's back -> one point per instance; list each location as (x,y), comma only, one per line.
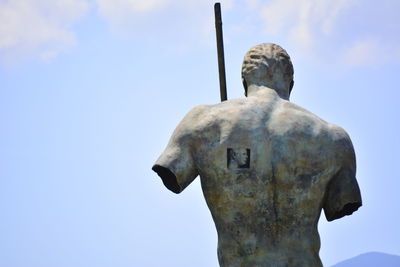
(265,164)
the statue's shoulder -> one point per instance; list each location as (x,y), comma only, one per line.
(197,111)
(194,115)
(215,113)
(342,141)
(298,118)
(288,116)
(196,118)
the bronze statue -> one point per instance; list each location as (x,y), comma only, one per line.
(267,167)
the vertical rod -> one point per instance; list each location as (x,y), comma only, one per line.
(220,50)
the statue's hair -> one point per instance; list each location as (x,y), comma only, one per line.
(266,59)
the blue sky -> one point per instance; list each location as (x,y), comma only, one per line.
(92,90)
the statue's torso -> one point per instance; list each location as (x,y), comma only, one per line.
(266,211)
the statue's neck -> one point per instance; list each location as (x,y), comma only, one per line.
(262,90)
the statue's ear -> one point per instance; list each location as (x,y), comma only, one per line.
(291,86)
(245,86)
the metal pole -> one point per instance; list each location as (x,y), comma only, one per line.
(220,50)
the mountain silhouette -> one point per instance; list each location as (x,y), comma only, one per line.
(371,259)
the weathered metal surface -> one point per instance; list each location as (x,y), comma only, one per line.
(267,166)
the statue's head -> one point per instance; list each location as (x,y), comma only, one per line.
(268,65)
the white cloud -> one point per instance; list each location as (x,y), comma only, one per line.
(303,20)
(147,17)
(37,28)
(115,10)
(118,11)
(253,4)
(351,32)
